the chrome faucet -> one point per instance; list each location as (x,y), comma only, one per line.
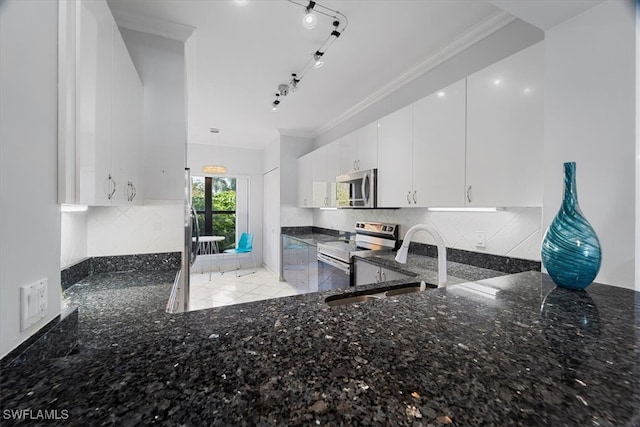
(401,256)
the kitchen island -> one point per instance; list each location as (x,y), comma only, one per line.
(528,354)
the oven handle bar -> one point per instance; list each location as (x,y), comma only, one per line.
(346,268)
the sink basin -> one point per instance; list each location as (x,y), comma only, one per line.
(402,291)
(333,301)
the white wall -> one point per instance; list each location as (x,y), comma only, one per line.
(590,119)
(161,65)
(239,162)
(73,236)
(514,232)
(30,215)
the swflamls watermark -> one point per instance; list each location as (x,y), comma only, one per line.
(35,414)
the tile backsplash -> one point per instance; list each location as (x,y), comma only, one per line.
(120,230)
(73,229)
(513,232)
(112,230)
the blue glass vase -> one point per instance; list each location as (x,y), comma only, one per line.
(570,248)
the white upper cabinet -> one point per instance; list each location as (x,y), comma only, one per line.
(305,181)
(367,147)
(126,122)
(439,148)
(505,131)
(348,154)
(94,62)
(395,176)
(320,178)
(359,149)
(108,112)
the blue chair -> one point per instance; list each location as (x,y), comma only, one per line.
(244,246)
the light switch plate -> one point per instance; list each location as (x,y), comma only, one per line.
(33,303)
(481,239)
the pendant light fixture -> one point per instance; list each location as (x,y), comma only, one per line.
(214,168)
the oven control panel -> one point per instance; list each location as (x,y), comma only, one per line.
(377,229)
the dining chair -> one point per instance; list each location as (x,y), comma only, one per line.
(244,246)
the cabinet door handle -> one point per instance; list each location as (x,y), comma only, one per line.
(409,197)
(354,166)
(469,194)
(384,276)
(358,164)
(378,276)
(415,198)
(111,192)
(135,191)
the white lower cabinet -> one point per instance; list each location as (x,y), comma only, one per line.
(367,273)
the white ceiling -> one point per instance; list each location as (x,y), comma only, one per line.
(545,14)
(238,55)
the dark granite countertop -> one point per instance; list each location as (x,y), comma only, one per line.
(314,238)
(529,354)
(426,268)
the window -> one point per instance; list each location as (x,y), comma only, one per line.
(214,200)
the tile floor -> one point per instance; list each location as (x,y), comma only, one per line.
(227,289)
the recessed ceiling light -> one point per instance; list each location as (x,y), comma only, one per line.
(497,82)
(241,2)
(441,94)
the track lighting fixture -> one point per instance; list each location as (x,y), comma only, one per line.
(316,61)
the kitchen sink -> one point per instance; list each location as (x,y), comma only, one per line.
(406,288)
(402,291)
(332,301)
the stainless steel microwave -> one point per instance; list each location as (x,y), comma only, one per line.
(358,189)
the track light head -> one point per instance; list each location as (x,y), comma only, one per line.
(309,20)
(317,58)
(275,103)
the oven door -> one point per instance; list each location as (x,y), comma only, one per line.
(333,273)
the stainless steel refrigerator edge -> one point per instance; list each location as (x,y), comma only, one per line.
(179,298)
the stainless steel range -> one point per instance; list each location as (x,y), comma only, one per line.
(335,258)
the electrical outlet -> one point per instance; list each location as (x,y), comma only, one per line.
(481,239)
(33,303)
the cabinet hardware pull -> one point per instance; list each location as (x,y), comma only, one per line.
(112,192)
(354,166)
(415,198)
(358,164)
(384,276)
(409,197)
(469,194)
(135,192)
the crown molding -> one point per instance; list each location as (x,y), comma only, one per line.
(153,26)
(493,23)
(296,133)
